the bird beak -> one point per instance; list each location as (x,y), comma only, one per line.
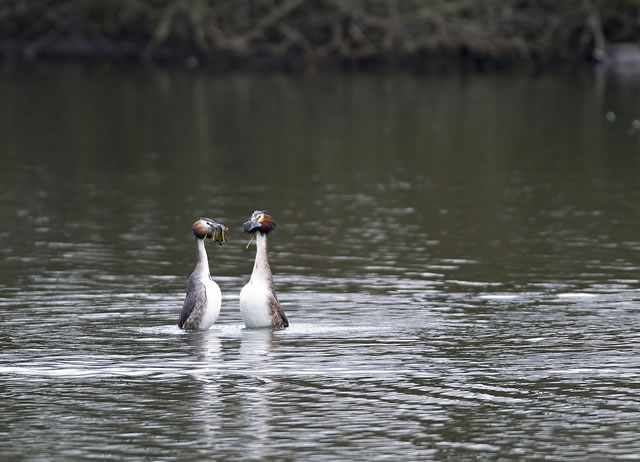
(251,226)
(218,231)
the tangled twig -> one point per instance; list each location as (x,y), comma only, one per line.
(318,32)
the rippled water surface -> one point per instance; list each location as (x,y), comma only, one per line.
(459,258)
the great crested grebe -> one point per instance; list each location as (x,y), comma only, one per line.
(259,303)
(202,302)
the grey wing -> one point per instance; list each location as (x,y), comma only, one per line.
(278,317)
(194,305)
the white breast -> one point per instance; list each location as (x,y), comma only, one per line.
(214,301)
(253,304)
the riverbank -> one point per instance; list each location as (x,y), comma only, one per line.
(325,34)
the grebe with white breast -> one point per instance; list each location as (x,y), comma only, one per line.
(203,299)
(259,303)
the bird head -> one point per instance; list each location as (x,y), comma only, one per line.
(259,221)
(205,228)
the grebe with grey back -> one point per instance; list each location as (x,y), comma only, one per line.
(259,303)
(203,299)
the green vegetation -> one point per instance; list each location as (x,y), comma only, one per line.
(313,34)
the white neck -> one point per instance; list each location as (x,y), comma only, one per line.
(261,267)
(202,262)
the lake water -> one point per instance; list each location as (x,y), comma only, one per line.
(459,258)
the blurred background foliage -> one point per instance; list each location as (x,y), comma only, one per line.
(311,34)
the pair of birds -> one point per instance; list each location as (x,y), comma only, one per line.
(259,303)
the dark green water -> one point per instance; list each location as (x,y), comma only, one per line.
(459,258)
